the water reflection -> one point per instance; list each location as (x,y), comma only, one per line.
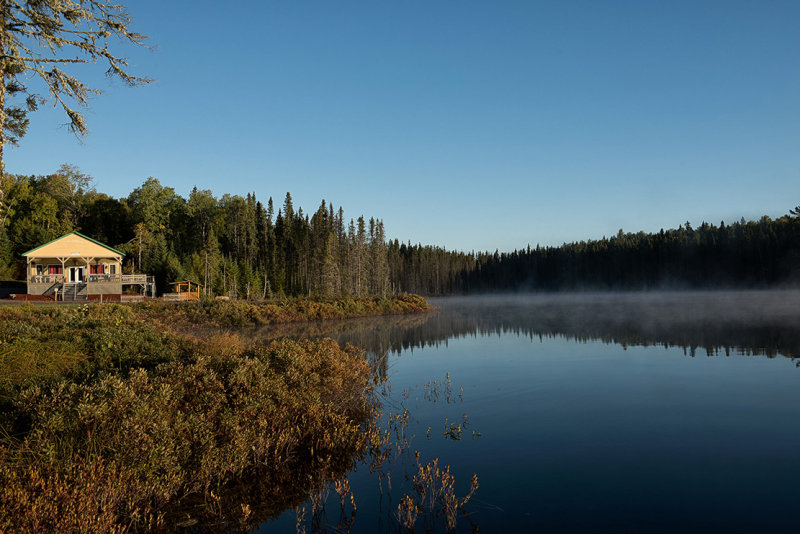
(575,437)
(702,323)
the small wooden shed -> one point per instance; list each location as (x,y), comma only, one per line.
(185,290)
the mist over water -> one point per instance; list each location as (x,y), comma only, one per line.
(706,323)
(592,412)
(750,322)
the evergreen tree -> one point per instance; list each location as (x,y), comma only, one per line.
(211,261)
(360,259)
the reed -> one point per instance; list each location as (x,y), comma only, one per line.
(434,497)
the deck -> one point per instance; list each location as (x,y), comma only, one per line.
(59,286)
(123,279)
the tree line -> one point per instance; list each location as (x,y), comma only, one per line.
(745,254)
(233,245)
(241,247)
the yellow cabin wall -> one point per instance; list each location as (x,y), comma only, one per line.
(69,246)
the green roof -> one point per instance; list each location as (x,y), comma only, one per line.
(95,241)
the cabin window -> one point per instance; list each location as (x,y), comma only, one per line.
(112,268)
(55,269)
(96,269)
(39,270)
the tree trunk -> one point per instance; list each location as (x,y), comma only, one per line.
(3,9)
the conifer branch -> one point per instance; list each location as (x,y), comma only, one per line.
(36,36)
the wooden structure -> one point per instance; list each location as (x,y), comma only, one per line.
(76,267)
(184,290)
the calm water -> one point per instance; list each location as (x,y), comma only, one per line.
(595,413)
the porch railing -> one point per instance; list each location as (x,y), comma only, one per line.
(103,278)
(60,278)
(46,279)
(93,278)
(136,279)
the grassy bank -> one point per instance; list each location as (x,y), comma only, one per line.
(244,313)
(111,423)
(42,343)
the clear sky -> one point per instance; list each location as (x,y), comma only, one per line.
(470,125)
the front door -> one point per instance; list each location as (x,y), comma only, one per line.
(75,274)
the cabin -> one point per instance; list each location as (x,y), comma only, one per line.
(77,267)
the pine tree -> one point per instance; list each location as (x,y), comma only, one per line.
(211,260)
(360,267)
(330,275)
(380,261)
(143,238)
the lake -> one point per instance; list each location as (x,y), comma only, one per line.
(656,412)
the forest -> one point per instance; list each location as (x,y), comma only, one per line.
(744,254)
(240,247)
(233,245)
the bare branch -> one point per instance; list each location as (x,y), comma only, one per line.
(47,60)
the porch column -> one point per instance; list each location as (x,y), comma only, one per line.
(63,269)
(86,274)
(88,268)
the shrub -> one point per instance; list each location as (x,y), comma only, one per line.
(283,413)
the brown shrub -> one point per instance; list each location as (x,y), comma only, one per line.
(287,415)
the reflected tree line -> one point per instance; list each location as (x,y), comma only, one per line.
(757,323)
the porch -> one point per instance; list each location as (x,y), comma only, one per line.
(76,267)
(124,279)
(79,287)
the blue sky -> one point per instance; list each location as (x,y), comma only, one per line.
(470,125)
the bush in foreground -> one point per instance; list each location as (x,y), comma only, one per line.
(170,444)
